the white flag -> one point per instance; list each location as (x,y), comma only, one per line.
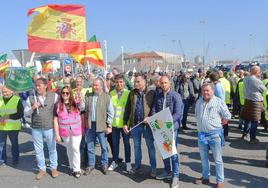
(161,124)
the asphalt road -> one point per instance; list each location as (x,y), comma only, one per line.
(244,166)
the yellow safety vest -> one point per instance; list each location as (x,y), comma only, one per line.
(227,89)
(241,90)
(119,107)
(265,82)
(265,93)
(7,109)
(53,85)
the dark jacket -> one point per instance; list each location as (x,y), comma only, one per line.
(131,105)
(173,101)
(190,89)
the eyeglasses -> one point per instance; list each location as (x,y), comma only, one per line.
(65,93)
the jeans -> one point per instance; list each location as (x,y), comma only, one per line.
(148,136)
(13,137)
(251,128)
(72,144)
(91,136)
(174,160)
(39,137)
(116,142)
(186,104)
(214,143)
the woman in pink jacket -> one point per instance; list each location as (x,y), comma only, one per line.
(68,129)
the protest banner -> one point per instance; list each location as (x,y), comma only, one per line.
(161,124)
(19,79)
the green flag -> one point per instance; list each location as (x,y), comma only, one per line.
(93,39)
(19,79)
(3,58)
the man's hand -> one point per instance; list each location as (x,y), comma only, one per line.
(125,128)
(108,130)
(36,105)
(224,121)
(146,120)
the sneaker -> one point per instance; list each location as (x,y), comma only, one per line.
(77,174)
(104,170)
(153,173)
(54,173)
(164,175)
(113,166)
(135,170)
(254,141)
(128,167)
(175,182)
(201,181)
(40,175)
(88,170)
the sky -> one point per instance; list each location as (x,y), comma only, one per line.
(229,29)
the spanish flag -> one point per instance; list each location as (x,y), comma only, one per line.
(57,29)
(92,53)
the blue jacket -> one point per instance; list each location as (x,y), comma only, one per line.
(173,101)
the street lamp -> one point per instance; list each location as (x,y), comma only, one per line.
(106,54)
(203,22)
(250,45)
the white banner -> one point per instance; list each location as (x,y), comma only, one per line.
(161,124)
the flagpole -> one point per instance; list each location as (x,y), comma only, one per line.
(32,58)
(106,54)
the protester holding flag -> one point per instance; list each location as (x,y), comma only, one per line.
(167,98)
(41,111)
(11,112)
(68,127)
(211,112)
(119,98)
(137,110)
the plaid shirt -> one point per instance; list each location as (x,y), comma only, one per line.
(209,114)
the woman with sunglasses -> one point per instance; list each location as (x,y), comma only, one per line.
(67,125)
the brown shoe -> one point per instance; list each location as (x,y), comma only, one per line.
(202,181)
(220,185)
(40,175)
(54,173)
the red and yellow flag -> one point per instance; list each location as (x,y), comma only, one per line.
(57,29)
(47,67)
(93,54)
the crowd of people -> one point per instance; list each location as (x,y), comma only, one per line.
(80,112)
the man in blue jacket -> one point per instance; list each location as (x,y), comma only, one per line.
(168,98)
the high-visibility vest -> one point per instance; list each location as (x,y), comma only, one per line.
(119,107)
(265,94)
(69,123)
(241,90)
(9,108)
(265,82)
(227,89)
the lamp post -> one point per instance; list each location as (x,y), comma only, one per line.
(250,45)
(106,54)
(203,22)
(122,58)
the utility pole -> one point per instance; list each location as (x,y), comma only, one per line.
(122,58)
(106,54)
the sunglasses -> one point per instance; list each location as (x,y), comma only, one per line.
(65,93)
